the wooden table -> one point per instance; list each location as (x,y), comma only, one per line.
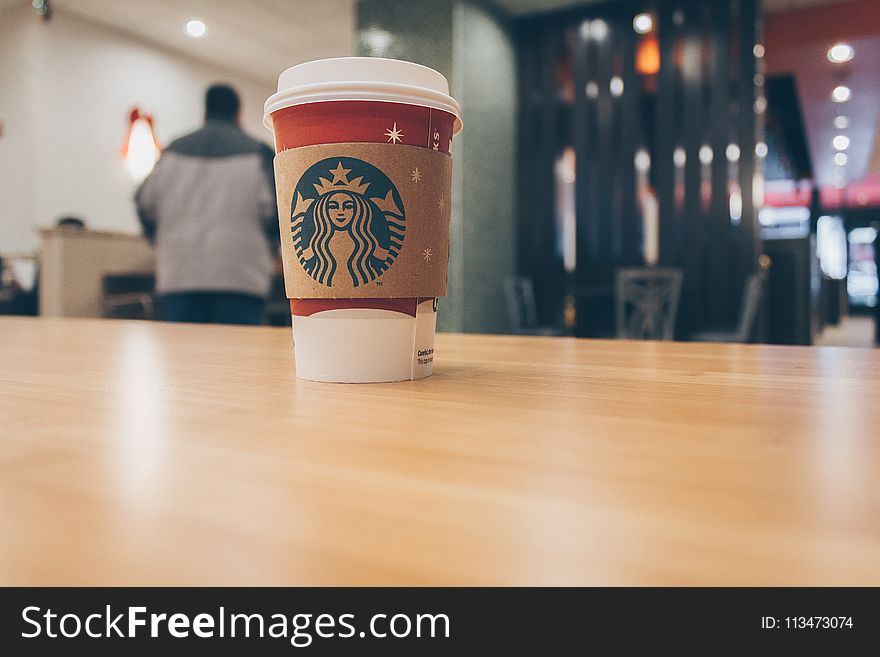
(142,453)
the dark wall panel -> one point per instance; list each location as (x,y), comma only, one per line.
(588,84)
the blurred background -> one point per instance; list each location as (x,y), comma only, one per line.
(654,169)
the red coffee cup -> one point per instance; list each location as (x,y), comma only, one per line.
(350,102)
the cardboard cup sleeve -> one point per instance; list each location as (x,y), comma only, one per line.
(364,220)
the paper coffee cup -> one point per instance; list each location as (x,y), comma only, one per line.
(363,177)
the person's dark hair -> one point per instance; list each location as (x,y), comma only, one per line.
(70,222)
(221,102)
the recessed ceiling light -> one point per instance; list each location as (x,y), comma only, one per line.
(732,152)
(840,159)
(758,50)
(706,154)
(616,85)
(642,160)
(841,94)
(841,122)
(595,29)
(643,23)
(377,41)
(761,149)
(195,29)
(598,29)
(679,157)
(840,52)
(841,142)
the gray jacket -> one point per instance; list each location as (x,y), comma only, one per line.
(209,207)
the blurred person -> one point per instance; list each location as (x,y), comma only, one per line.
(15,298)
(74,223)
(21,300)
(209,208)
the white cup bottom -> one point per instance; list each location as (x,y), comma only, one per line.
(365,345)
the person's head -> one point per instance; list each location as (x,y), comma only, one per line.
(221,103)
(71,222)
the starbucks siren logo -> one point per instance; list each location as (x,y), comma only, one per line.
(347,221)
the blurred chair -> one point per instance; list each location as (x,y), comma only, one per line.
(18,286)
(753,294)
(128,296)
(7,298)
(646,301)
(521,308)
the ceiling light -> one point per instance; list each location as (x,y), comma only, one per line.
(840,52)
(195,29)
(841,122)
(598,29)
(592,89)
(841,94)
(758,50)
(841,142)
(595,29)
(840,159)
(761,149)
(679,157)
(377,41)
(706,154)
(616,85)
(732,152)
(643,23)
(642,160)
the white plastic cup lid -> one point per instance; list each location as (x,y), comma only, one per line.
(362,78)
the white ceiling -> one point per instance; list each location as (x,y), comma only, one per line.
(256,39)
(261,39)
(522,7)
(779,6)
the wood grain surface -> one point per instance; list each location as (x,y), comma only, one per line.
(144,453)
